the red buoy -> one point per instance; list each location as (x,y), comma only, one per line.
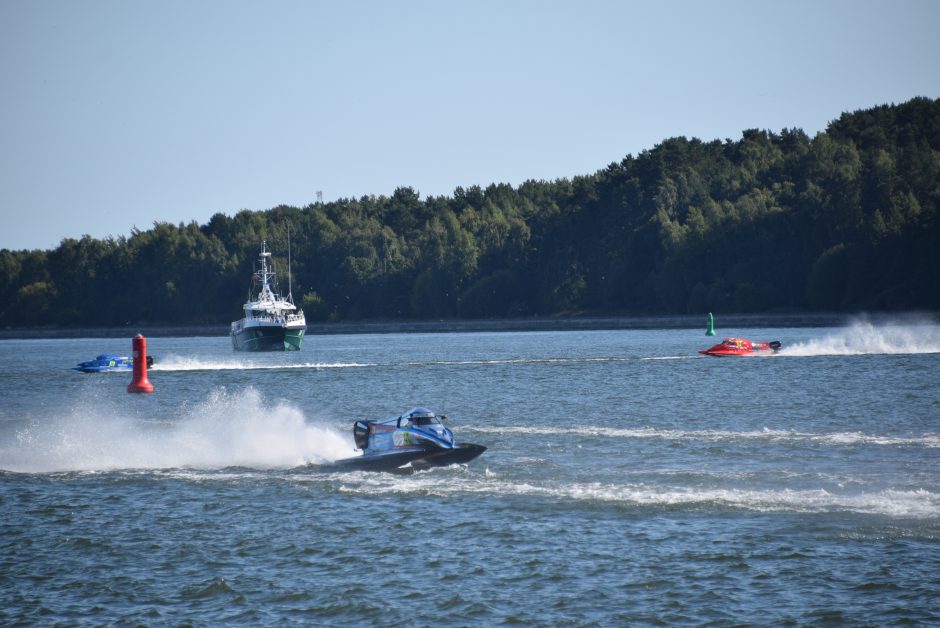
(140,383)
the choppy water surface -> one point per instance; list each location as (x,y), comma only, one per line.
(628,480)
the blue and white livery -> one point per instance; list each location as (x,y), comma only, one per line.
(109,362)
(414,441)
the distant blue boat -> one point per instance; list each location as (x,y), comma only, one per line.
(109,362)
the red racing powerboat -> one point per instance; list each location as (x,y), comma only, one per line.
(742,346)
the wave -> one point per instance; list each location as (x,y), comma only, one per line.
(173,363)
(226,430)
(460,480)
(789,436)
(864,338)
(498,361)
(894,503)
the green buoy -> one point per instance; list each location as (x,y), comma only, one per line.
(710,331)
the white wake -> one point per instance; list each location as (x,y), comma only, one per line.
(766,434)
(864,338)
(918,503)
(225,430)
(174,363)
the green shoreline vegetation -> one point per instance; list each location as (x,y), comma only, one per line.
(846,221)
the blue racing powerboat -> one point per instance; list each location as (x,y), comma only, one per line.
(414,441)
(109,362)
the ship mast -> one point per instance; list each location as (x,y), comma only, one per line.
(265,273)
(290,277)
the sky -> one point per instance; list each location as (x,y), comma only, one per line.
(117,114)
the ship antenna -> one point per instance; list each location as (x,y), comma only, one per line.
(290,283)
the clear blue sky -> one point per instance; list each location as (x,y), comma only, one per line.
(116,113)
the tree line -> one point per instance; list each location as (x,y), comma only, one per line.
(774,221)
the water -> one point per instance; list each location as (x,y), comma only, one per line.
(627,480)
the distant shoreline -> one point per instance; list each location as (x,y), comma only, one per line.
(727,322)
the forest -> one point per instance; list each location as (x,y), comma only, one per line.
(846,221)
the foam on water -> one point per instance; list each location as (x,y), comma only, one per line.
(524,361)
(178,363)
(917,504)
(225,430)
(863,338)
(175,363)
(834,438)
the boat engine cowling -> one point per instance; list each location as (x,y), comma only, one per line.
(361,434)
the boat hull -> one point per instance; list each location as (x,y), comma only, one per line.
(103,369)
(410,460)
(268,338)
(721,351)
(108,364)
(730,347)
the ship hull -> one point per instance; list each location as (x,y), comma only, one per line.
(268,338)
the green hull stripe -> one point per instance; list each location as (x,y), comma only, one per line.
(279,340)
